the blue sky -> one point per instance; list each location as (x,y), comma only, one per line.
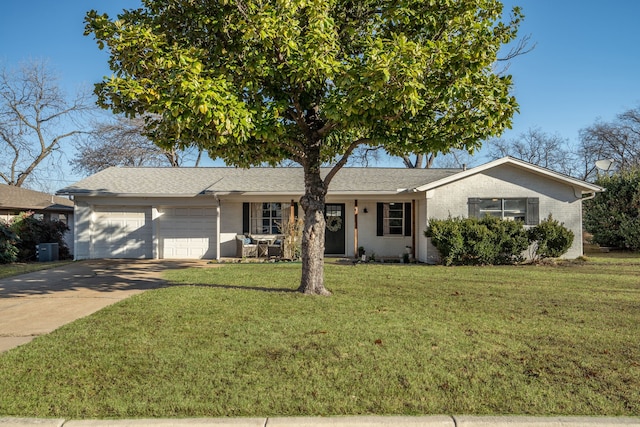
(585,65)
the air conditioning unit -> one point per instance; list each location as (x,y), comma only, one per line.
(47,252)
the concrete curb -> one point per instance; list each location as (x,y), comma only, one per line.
(24,422)
(521,421)
(339,421)
(362,421)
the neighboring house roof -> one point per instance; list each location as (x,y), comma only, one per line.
(18,198)
(177,182)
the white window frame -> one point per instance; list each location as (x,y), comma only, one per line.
(271,223)
(505,212)
(528,212)
(387,219)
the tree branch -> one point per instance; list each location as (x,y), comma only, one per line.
(334,170)
(22,176)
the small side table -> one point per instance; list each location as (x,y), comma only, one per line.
(263,248)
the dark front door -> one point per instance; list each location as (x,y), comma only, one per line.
(334,240)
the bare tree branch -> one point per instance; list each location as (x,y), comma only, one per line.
(522,47)
(550,151)
(122,143)
(618,140)
(35,118)
(334,170)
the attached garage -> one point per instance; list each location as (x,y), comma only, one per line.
(187,232)
(121,232)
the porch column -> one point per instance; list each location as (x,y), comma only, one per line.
(355,229)
(218,233)
(292,212)
(413,228)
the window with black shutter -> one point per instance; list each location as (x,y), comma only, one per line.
(516,208)
(393,219)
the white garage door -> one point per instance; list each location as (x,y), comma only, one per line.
(124,232)
(187,233)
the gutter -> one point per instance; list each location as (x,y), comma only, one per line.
(589,197)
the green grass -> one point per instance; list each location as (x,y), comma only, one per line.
(393,339)
(8,270)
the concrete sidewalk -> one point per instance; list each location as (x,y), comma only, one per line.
(353,421)
(37,303)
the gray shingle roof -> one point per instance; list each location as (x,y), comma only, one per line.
(193,181)
(18,198)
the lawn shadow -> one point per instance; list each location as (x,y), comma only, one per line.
(238,287)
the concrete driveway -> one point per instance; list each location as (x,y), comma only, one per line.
(37,303)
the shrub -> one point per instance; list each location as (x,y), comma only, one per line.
(471,241)
(613,216)
(446,235)
(31,231)
(550,238)
(8,242)
(510,238)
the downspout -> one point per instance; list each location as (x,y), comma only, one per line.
(75,231)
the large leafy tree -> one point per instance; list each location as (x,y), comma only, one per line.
(257,81)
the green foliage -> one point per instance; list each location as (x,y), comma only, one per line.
(262,81)
(493,241)
(447,236)
(551,238)
(471,241)
(613,216)
(31,231)
(307,80)
(8,244)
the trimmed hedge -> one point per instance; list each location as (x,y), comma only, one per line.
(493,241)
(471,241)
(551,238)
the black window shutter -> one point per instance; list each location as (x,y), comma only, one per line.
(380,219)
(533,211)
(245,218)
(474,207)
(295,210)
(407,219)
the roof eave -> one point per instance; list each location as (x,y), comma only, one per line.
(127,195)
(300,193)
(583,186)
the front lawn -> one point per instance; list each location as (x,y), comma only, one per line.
(393,339)
(17,268)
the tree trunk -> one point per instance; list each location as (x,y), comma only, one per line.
(312,281)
